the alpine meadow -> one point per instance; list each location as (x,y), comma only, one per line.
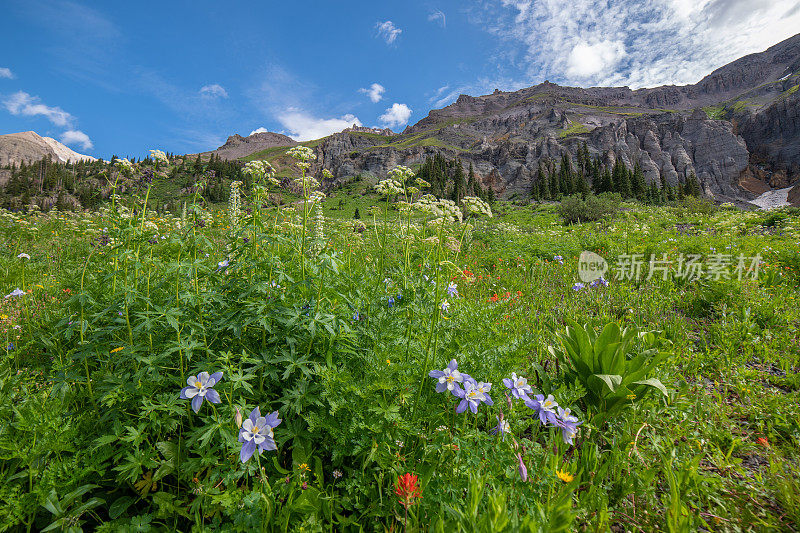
(540,309)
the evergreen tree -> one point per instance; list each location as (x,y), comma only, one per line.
(638,183)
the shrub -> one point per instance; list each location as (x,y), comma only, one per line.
(697,206)
(575,210)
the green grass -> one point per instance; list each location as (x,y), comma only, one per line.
(120,314)
(575,128)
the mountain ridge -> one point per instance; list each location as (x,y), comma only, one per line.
(29,146)
(741,118)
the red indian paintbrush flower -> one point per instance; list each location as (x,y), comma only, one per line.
(406,489)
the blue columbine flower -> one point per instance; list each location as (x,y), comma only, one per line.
(452,290)
(544,407)
(256,434)
(599,282)
(391,301)
(559,259)
(222,265)
(519,386)
(568,425)
(447,377)
(484,388)
(15,292)
(578,286)
(445,305)
(470,397)
(356,316)
(502,427)
(200,386)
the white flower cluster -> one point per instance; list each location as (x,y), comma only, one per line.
(274,181)
(401,173)
(259,169)
(124,165)
(234,203)
(422,183)
(301,153)
(306,184)
(158,156)
(389,187)
(446,210)
(475,205)
(319,224)
(327,174)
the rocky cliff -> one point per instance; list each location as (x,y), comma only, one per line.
(739,123)
(237,147)
(28,146)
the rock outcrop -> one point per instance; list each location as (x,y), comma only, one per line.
(737,130)
(237,147)
(28,146)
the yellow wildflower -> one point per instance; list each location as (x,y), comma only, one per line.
(115,350)
(566,477)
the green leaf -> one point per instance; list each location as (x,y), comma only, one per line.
(119,506)
(612,380)
(653,382)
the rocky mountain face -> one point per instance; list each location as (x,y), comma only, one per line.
(737,130)
(28,146)
(366,129)
(237,146)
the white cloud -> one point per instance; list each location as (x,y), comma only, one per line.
(388,31)
(640,43)
(262,129)
(6,73)
(587,60)
(375,92)
(214,90)
(22,103)
(396,116)
(77,137)
(439,17)
(305,127)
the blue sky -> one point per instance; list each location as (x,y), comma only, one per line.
(121,78)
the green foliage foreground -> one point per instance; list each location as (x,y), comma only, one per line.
(686,392)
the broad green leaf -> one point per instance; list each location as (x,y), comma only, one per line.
(612,380)
(653,382)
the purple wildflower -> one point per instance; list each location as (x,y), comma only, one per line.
(470,397)
(578,286)
(559,259)
(200,387)
(452,290)
(15,292)
(447,377)
(222,265)
(568,425)
(484,388)
(599,282)
(519,386)
(544,407)
(256,434)
(502,427)
(523,470)
(391,301)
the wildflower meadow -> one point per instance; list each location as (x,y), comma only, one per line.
(432,365)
